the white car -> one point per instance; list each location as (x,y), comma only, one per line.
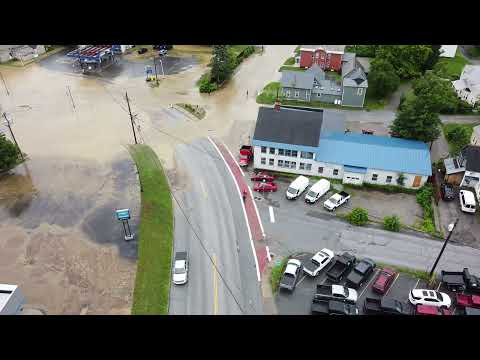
(318,262)
(429,297)
(180,268)
(467,201)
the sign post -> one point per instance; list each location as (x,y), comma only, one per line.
(123,215)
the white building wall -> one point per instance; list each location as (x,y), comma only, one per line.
(258,156)
(382,178)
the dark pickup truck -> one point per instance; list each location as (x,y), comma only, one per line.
(360,273)
(386,306)
(341,265)
(458,281)
(333,307)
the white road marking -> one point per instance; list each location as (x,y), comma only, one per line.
(243,207)
(203,189)
(393,282)
(303,278)
(438,287)
(272,216)
(416,284)
(256,211)
(368,284)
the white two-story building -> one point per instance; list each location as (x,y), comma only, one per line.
(314,142)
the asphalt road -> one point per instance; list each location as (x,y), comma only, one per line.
(298,227)
(208,195)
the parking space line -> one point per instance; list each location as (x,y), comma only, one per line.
(303,278)
(272,216)
(391,286)
(368,284)
(438,287)
(416,284)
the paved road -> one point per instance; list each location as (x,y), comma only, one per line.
(295,231)
(210,199)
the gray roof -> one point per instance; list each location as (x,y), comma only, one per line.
(329,87)
(289,126)
(471,73)
(297,79)
(472,154)
(348,63)
(333,121)
(317,71)
(356,78)
(364,63)
(453,166)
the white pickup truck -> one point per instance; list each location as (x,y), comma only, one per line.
(336,200)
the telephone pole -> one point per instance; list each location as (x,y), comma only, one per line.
(155,65)
(13,136)
(131,117)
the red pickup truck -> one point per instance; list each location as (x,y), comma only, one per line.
(246,155)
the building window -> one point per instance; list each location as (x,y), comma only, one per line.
(263,161)
(293,165)
(389,179)
(287,164)
(335,171)
(320,170)
(287,93)
(297,93)
(294,153)
(271,162)
(360,91)
(280,163)
(281,151)
(308,167)
(374,177)
(306,155)
(301,166)
(272,151)
(288,152)
(264,149)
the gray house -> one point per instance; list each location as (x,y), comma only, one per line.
(313,85)
(20,52)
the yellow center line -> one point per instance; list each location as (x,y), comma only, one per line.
(215,286)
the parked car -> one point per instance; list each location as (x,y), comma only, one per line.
(263,176)
(290,275)
(429,297)
(460,280)
(180,268)
(297,187)
(384,280)
(386,306)
(246,155)
(265,187)
(321,259)
(447,191)
(431,310)
(464,300)
(333,307)
(142,51)
(467,201)
(336,292)
(317,190)
(341,265)
(360,273)
(162,52)
(336,200)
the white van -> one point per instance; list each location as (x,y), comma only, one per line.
(317,190)
(297,187)
(467,201)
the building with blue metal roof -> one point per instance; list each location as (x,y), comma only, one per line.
(316,143)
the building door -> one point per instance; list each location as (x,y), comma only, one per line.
(416,181)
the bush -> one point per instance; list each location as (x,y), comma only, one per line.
(428,226)
(8,153)
(358,216)
(391,223)
(289,61)
(277,273)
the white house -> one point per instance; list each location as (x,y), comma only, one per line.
(475,140)
(468,86)
(310,142)
(448,51)
(471,178)
(11,299)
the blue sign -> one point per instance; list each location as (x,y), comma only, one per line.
(123,214)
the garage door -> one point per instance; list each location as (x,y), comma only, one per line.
(352,178)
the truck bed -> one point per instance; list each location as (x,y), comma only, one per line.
(372,305)
(340,267)
(287,282)
(320,307)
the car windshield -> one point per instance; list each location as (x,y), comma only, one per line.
(179,271)
(291,190)
(312,193)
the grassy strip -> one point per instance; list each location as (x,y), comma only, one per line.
(152,283)
(289,61)
(291,68)
(297,50)
(195,110)
(419,274)
(276,274)
(269,93)
(451,68)
(474,51)
(455,145)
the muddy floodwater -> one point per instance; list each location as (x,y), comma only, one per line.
(60,240)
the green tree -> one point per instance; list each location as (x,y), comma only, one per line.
(391,223)
(382,79)
(221,64)
(416,121)
(433,58)
(438,93)
(459,136)
(358,216)
(8,153)
(408,60)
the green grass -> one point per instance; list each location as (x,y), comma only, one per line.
(237,49)
(152,282)
(289,61)
(454,148)
(276,274)
(297,50)
(451,68)
(269,93)
(291,68)
(195,110)
(474,51)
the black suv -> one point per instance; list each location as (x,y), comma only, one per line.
(448,192)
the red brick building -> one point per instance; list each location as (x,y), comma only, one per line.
(327,59)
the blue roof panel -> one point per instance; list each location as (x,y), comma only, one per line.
(355,169)
(375,152)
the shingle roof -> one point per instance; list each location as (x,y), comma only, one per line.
(348,63)
(472,154)
(375,152)
(471,73)
(297,79)
(356,78)
(288,126)
(328,87)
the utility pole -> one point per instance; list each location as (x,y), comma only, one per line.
(13,136)
(131,117)
(5,84)
(155,65)
(450,231)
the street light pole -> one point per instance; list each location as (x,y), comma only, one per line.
(155,65)
(163,73)
(450,231)
(7,122)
